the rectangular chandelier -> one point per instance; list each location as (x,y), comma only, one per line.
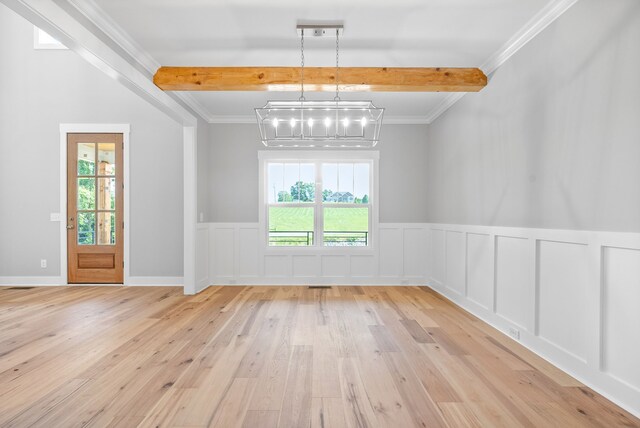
(328,123)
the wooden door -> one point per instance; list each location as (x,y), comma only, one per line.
(94,209)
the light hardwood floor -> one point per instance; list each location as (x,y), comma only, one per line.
(273,356)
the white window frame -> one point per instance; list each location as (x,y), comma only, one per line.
(39,45)
(318,158)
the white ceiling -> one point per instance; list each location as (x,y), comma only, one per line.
(399,33)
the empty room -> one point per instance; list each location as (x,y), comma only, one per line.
(418,213)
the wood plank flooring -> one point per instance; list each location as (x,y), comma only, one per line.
(273,357)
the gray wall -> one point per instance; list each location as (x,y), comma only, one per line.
(233,173)
(203,169)
(554,140)
(38,91)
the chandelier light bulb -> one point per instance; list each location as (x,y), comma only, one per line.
(303,111)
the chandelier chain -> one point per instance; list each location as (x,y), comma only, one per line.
(337,97)
(302,66)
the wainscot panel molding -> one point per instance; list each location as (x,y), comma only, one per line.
(572,297)
(236,256)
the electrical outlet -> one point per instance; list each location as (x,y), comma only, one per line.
(405,282)
(43,263)
(232,281)
(54,216)
(514,333)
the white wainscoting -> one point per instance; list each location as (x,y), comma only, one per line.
(573,296)
(236,256)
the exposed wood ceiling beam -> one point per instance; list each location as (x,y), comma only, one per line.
(320,79)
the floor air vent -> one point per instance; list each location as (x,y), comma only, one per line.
(319,286)
(20,288)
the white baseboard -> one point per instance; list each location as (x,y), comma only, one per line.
(137,281)
(531,343)
(30,280)
(202,284)
(345,281)
(569,296)
(155,281)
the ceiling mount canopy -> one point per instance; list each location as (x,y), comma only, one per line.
(328,123)
(320,30)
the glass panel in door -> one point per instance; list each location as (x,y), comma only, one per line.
(96,194)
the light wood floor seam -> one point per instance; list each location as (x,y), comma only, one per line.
(273,357)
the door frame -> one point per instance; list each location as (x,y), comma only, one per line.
(92,128)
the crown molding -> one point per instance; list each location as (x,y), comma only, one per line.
(94,13)
(239,119)
(65,23)
(405,120)
(443,106)
(98,17)
(193,104)
(390,120)
(552,11)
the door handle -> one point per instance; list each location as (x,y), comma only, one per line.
(70,226)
